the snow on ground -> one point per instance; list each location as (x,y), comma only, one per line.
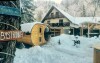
(52,52)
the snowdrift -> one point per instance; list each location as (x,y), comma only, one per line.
(52,52)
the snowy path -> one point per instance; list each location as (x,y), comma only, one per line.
(54,53)
(71,56)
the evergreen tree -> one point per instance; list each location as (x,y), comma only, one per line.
(27,7)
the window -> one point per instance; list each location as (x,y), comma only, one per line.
(61,22)
(57,14)
(67,24)
(52,15)
(40,30)
(40,40)
(48,22)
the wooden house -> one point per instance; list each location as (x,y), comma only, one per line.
(60,21)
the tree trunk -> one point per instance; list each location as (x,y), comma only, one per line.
(7,48)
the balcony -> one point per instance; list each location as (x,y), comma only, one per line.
(54,17)
(60,24)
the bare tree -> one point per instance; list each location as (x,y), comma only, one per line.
(42,8)
(39,13)
(82,7)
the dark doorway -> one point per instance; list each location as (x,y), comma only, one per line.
(76,31)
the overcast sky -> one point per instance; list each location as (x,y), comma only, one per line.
(56,1)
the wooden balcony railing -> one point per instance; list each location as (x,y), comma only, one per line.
(60,24)
(53,17)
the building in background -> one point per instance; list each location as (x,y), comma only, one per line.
(61,22)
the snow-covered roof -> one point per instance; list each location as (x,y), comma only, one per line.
(71,18)
(75,20)
(80,20)
(26,27)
